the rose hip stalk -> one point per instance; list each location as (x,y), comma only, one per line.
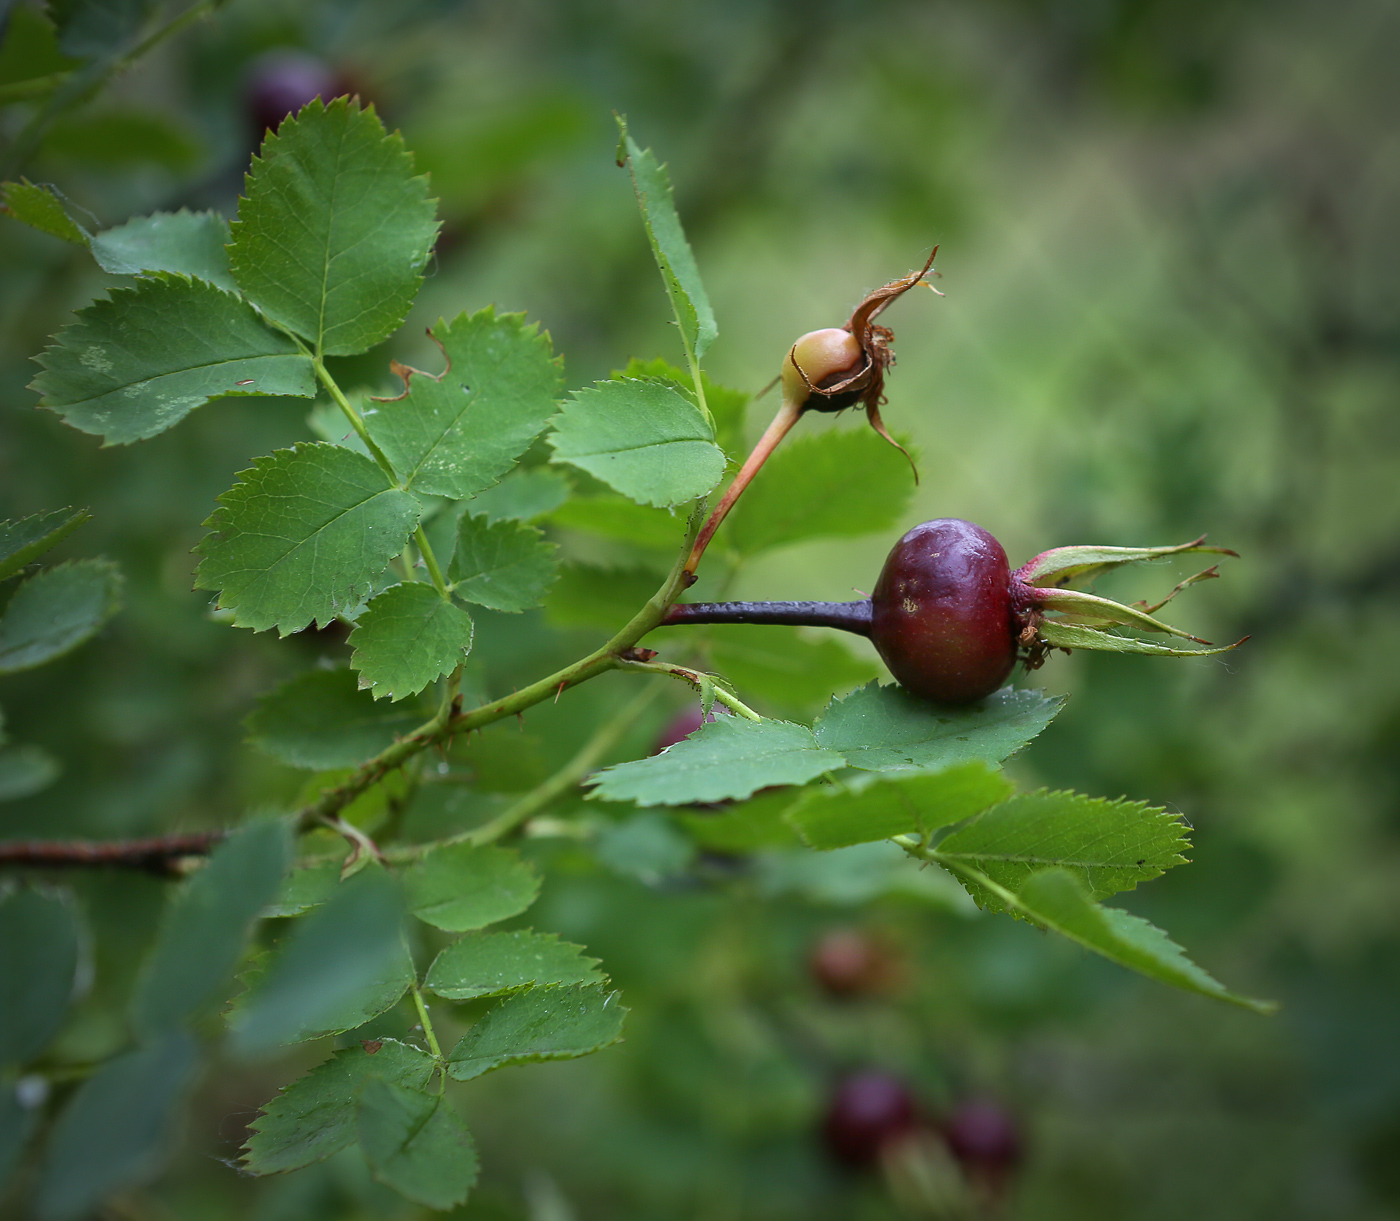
(950,618)
(826,370)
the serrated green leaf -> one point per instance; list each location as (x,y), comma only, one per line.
(207,923)
(489,964)
(727,405)
(185,242)
(896,805)
(541,1024)
(39,940)
(334,229)
(301,536)
(314,1116)
(408,637)
(115,1128)
(303,889)
(39,208)
(1109,846)
(457,432)
(26,770)
(1076,636)
(322,720)
(746,827)
(792,501)
(460,887)
(878,728)
(504,565)
(727,758)
(669,246)
(523,495)
(342,964)
(140,361)
(1057,900)
(588,596)
(24,541)
(416,1144)
(784,666)
(622,519)
(641,437)
(55,611)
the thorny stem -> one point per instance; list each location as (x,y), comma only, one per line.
(788,415)
(696,679)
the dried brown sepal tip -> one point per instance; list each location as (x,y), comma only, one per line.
(840,367)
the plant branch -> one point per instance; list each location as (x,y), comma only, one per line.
(427,1022)
(430,562)
(356,421)
(696,679)
(846,616)
(158,854)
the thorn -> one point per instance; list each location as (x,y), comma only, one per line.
(560,690)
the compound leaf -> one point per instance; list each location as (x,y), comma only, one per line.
(207,923)
(460,886)
(488,964)
(185,242)
(301,536)
(24,541)
(39,940)
(56,610)
(503,565)
(322,720)
(314,1116)
(407,637)
(115,1127)
(896,805)
(641,437)
(140,361)
(669,246)
(457,433)
(334,229)
(541,1024)
(879,728)
(417,1144)
(793,501)
(726,758)
(1108,846)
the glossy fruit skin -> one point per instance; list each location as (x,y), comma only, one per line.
(942,615)
(867,1111)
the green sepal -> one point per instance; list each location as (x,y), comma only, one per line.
(1064,566)
(1091,607)
(1076,636)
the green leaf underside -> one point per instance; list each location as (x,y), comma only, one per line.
(140,361)
(342,964)
(489,964)
(408,637)
(305,888)
(206,925)
(39,208)
(38,963)
(114,1127)
(1055,899)
(456,433)
(727,758)
(184,242)
(727,405)
(25,540)
(1109,846)
(503,565)
(879,728)
(460,887)
(541,1024)
(1075,636)
(334,229)
(523,495)
(640,437)
(55,611)
(673,255)
(301,536)
(314,1116)
(1077,565)
(747,827)
(26,770)
(416,1144)
(793,501)
(322,720)
(900,805)
(622,519)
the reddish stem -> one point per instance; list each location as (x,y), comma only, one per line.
(846,616)
(157,854)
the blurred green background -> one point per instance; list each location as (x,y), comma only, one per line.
(1169,237)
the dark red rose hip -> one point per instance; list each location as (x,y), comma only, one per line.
(866,1112)
(941,613)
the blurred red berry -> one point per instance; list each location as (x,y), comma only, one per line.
(846,962)
(986,1141)
(868,1111)
(282,82)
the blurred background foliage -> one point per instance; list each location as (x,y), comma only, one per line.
(1169,247)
